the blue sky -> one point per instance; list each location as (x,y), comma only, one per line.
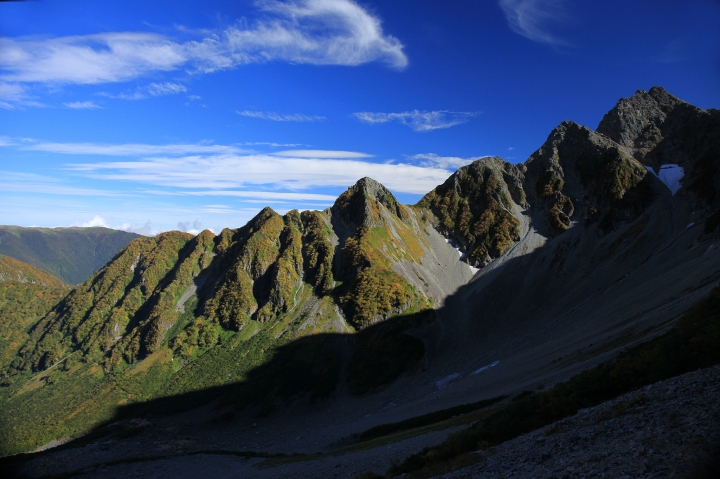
(152,115)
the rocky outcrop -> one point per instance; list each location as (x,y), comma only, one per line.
(658,129)
(477,208)
(580,175)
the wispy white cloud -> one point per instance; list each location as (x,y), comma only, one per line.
(128,149)
(419,120)
(82,105)
(270,143)
(532,19)
(319,32)
(7,141)
(322,154)
(159,89)
(260,195)
(60,190)
(14,96)
(227,172)
(272,116)
(433,160)
(153,89)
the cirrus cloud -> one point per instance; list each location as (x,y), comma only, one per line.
(82,105)
(228,172)
(272,116)
(530,18)
(318,32)
(433,160)
(418,120)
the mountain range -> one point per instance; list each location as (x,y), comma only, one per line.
(71,254)
(506,279)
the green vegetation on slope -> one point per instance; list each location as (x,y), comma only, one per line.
(104,313)
(244,315)
(71,254)
(26,295)
(474,207)
(692,344)
(375,291)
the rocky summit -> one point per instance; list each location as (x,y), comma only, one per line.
(327,334)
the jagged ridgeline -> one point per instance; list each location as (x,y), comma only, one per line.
(177,313)
(306,304)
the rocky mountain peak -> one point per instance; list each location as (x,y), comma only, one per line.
(475,207)
(635,122)
(579,173)
(359,205)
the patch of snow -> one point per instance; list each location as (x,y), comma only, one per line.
(454,245)
(446,380)
(671,174)
(492,365)
(473,269)
(710,248)
(651,170)
(690,225)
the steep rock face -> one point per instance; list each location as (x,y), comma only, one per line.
(579,175)
(477,207)
(659,129)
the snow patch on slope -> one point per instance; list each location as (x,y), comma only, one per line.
(473,269)
(670,174)
(479,370)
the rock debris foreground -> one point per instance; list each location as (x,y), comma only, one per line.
(668,429)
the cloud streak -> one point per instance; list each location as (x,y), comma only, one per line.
(272,116)
(128,149)
(530,18)
(153,89)
(421,121)
(317,32)
(432,160)
(82,105)
(322,154)
(229,172)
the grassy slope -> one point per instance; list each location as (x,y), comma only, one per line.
(26,295)
(254,329)
(71,254)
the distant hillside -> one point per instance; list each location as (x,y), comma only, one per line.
(71,254)
(26,295)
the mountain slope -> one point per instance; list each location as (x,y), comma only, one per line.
(368,306)
(176,313)
(71,254)
(26,295)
